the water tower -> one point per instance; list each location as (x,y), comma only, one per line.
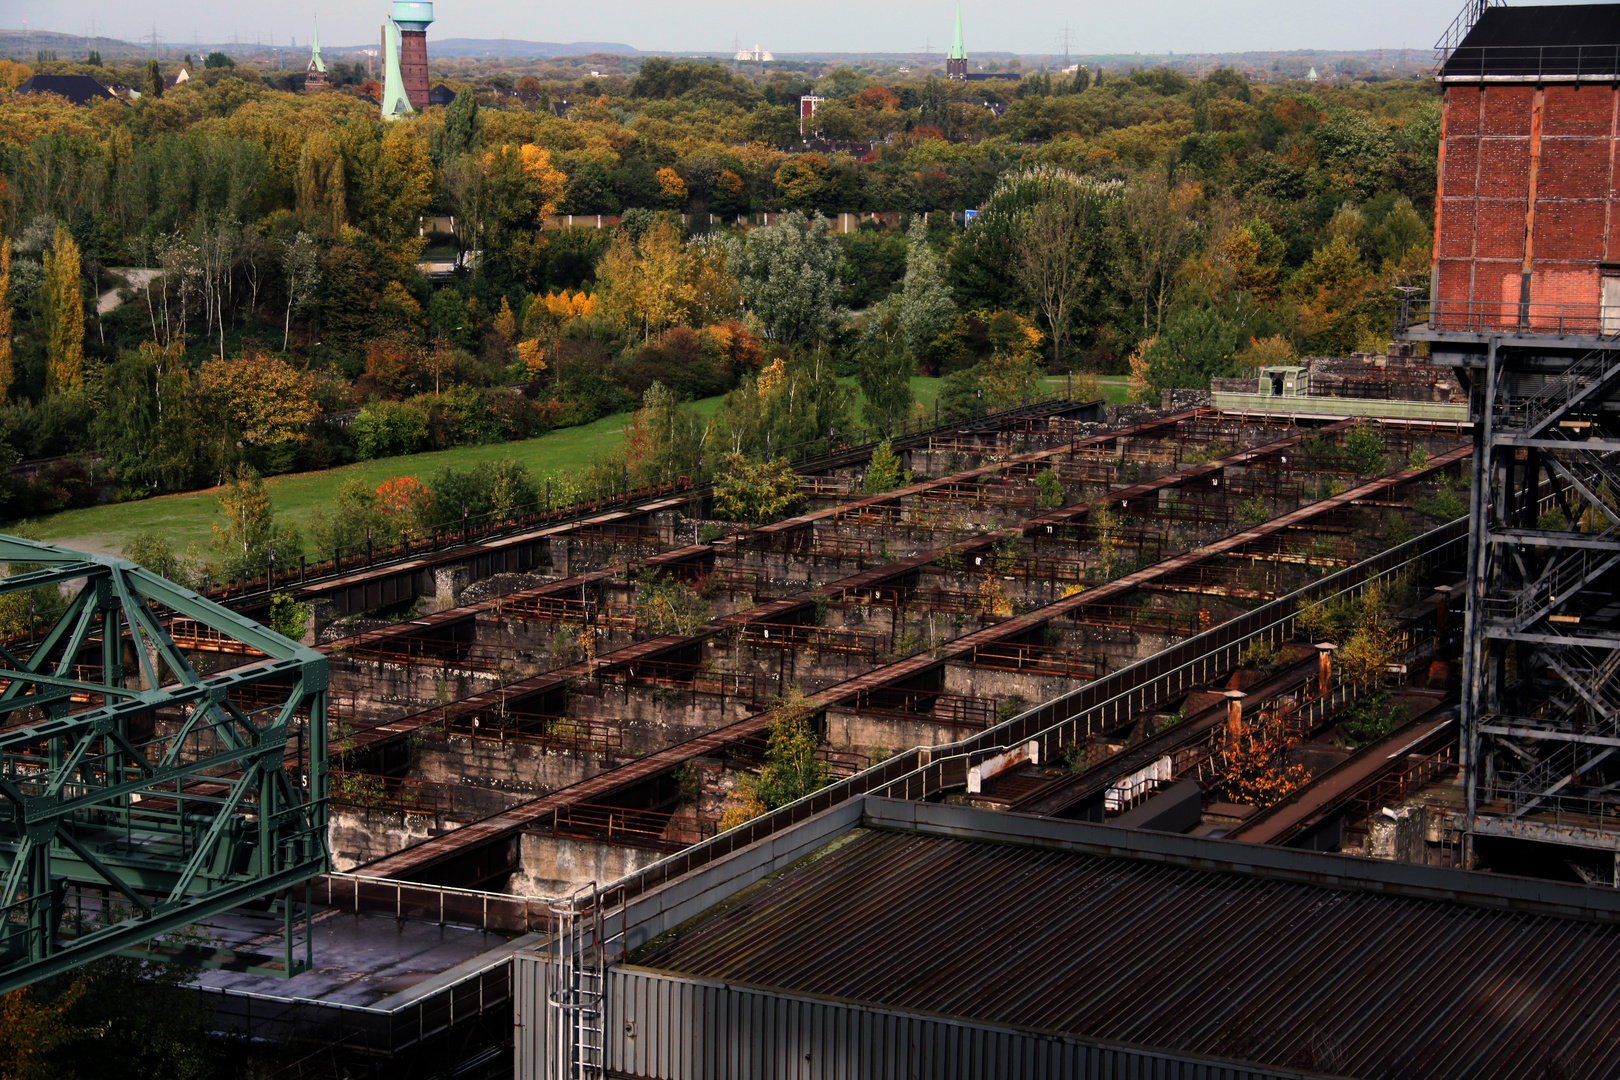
(411,20)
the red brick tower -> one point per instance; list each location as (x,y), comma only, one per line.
(1525,221)
(413,17)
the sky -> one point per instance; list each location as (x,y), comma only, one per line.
(1022,26)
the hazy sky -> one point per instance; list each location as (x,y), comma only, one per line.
(1023,26)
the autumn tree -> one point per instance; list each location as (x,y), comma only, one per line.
(792,767)
(1336,298)
(245,534)
(1258,754)
(259,400)
(755,492)
(645,287)
(64,314)
(5,321)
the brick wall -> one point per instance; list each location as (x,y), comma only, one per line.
(1500,141)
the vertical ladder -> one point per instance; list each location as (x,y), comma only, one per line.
(577,984)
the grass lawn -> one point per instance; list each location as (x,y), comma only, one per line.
(187,518)
(1115,388)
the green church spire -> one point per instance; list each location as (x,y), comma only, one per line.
(315,61)
(958,51)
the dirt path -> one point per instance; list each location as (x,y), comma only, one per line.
(135,279)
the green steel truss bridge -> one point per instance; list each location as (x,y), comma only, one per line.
(138,796)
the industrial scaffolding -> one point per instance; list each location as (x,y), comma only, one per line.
(1542,641)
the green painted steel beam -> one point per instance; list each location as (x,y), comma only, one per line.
(190,821)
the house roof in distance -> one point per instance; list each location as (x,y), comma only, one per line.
(79,89)
(1558,40)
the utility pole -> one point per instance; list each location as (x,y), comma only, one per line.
(1066,39)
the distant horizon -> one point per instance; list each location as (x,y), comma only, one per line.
(103,41)
(1033,28)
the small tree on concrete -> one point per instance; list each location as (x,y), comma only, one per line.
(755,493)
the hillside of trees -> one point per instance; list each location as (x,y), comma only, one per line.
(1143,223)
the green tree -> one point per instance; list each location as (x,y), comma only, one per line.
(883,472)
(1196,345)
(789,276)
(64,314)
(151,428)
(1057,253)
(463,126)
(926,304)
(301,263)
(792,767)
(288,617)
(155,553)
(666,606)
(245,533)
(883,365)
(27,610)
(664,438)
(755,493)
(154,79)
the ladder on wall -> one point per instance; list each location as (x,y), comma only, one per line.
(578,973)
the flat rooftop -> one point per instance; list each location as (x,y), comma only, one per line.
(360,960)
(1294,960)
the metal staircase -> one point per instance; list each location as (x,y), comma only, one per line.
(1541,661)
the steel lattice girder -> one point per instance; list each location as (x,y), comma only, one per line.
(128,778)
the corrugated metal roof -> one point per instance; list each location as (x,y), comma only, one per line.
(1283,974)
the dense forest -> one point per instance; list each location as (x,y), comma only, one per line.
(1145,223)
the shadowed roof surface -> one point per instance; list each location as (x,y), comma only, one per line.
(1290,975)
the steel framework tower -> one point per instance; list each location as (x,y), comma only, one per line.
(1525,303)
(138,796)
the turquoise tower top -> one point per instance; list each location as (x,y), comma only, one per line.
(413,14)
(958,51)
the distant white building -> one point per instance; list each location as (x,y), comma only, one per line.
(756,54)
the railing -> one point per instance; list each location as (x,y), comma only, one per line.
(656,829)
(822,453)
(496,912)
(1577,810)
(1494,317)
(1039,660)
(399,794)
(1107,702)
(1558,63)
(537,729)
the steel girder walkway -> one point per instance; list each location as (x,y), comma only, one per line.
(138,796)
(1541,700)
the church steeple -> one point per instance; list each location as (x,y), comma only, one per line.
(315,73)
(956,59)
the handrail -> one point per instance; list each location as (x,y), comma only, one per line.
(926,771)
(816,454)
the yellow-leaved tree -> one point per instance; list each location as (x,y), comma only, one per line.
(64,315)
(5,321)
(259,399)
(645,287)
